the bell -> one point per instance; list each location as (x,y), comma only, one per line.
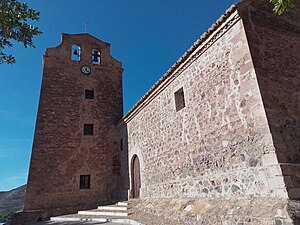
(75,52)
(96,56)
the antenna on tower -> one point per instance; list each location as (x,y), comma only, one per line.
(85,27)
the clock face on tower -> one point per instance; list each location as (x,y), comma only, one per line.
(85,70)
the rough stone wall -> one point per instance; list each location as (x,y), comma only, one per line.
(61,153)
(220,144)
(274,44)
(212,211)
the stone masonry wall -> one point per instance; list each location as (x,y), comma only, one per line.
(212,211)
(218,145)
(274,44)
(61,153)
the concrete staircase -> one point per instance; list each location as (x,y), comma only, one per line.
(111,213)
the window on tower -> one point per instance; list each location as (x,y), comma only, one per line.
(96,58)
(89,94)
(88,129)
(75,54)
(85,181)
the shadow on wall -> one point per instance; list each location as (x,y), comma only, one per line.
(123,156)
(274,45)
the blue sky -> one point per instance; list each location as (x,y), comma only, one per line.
(147,36)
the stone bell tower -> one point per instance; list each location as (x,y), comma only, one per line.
(74,162)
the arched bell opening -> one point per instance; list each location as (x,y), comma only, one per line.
(96,57)
(75,54)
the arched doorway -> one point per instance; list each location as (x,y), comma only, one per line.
(135,177)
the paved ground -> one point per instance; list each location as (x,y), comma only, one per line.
(79,223)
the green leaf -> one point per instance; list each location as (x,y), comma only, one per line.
(14,26)
(281,6)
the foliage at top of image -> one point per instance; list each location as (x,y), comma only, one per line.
(281,6)
(14,26)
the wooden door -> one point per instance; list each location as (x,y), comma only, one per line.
(136,179)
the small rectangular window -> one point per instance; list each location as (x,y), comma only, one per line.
(89,94)
(85,181)
(88,129)
(179,99)
(121,144)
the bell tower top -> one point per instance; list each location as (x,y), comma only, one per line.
(83,49)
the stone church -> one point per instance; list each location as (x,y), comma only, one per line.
(221,125)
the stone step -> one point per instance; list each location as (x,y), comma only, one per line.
(67,219)
(113,208)
(77,218)
(102,213)
(122,203)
